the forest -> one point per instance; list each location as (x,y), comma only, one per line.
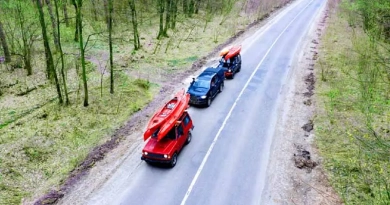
(353,111)
(74,71)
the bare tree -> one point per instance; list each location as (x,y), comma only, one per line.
(167,16)
(61,53)
(161,9)
(79,29)
(197,5)
(65,10)
(28,36)
(109,18)
(76,32)
(49,58)
(4,44)
(53,23)
(134,21)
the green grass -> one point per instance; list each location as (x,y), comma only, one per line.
(352,105)
(47,144)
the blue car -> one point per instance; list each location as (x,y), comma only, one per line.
(206,86)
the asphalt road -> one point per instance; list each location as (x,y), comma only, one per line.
(226,161)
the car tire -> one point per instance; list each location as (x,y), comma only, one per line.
(173,160)
(208,101)
(189,138)
(239,68)
(221,87)
(233,74)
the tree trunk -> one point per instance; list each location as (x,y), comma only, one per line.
(110,10)
(185,7)
(197,5)
(65,10)
(191,8)
(134,20)
(161,11)
(79,27)
(105,6)
(25,46)
(76,32)
(94,10)
(53,23)
(167,16)
(27,36)
(4,44)
(49,57)
(174,14)
(61,53)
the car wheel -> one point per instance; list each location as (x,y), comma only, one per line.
(233,74)
(239,68)
(208,101)
(173,160)
(221,88)
(189,137)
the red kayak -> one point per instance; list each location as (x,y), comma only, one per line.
(235,50)
(164,119)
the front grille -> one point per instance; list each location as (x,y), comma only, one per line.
(193,98)
(153,155)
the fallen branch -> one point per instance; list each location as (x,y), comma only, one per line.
(9,85)
(26,92)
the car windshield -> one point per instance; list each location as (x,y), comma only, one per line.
(201,84)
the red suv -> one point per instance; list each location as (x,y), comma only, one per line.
(167,149)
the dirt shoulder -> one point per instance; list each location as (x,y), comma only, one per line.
(123,150)
(295,170)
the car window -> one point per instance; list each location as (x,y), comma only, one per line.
(180,130)
(213,81)
(171,134)
(186,120)
(201,84)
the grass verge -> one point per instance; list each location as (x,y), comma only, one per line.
(353,115)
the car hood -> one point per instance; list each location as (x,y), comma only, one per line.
(159,147)
(198,91)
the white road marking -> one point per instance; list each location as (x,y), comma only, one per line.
(272,22)
(189,190)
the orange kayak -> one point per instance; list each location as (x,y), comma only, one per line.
(164,119)
(233,51)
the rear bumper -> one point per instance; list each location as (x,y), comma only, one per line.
(228,74)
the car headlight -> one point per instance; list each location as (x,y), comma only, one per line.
(230,70)
(145,153)
(165,156)
(203,97)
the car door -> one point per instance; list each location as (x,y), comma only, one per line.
(181,138)
(213,86)
(234,63)
(187,126)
